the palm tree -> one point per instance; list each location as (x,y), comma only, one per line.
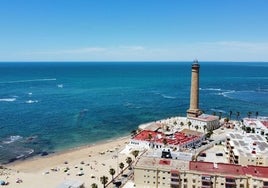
(104,180)
(230,114)
(94,185)
(196,127)
(214,113)
(150,136)
(121,166)
(181,124)
(165,141)
(237,115)
(189,124)
(220,114)
(135,153)
(112,172)
(128,161)
(249,114)
(205,128)
(257,114)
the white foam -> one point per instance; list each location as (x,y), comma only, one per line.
(168,97)
(60,85)
(12,139)
(31,101)
(210,89)
(226,93)
(8,100)
(34,80)
(217,110)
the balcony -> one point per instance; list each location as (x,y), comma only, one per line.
(230,182)
(265,184)
(206,178)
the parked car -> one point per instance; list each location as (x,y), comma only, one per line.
(219,154)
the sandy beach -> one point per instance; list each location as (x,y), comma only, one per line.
(91,162)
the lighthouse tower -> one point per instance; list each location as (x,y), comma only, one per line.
(194,111)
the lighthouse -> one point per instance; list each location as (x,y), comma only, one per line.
(194,110)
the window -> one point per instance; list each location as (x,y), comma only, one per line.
(194,181)
(185,180)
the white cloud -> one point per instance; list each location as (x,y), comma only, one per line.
(71,51)
(204,51)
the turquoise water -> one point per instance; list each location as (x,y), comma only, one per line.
(48,107)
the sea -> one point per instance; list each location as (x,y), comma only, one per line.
(50,107)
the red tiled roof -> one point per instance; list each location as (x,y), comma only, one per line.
(228,169)
(158,137)
(222,168)
(265,123)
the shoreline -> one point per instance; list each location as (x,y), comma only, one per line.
(66,151)
(93,160)
(62,151)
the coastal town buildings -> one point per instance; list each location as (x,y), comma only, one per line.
(247,149)
(171,148)
(257,125)
(156,172)
(205,122)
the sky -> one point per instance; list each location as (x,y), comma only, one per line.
(133,30)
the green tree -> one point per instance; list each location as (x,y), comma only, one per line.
(121,166)
(150,136)
(112,172)
(189,124)
(128,161)
(196,127)
(181,124)
(133,133)
(248,129)
(165,141)
(104,180)
(226,120)
(135,153)
(214,113)
(94,185)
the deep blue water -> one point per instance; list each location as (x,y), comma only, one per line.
(48,107)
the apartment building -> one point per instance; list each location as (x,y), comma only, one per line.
(161,173)
(246,149)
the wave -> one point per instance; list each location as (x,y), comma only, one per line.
(227,93)
(168,97)
(31,101)
(218,110)
(12,139)
(34,80)
(210,89)
(7,100)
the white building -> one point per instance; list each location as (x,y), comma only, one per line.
(205,122)
(247,149)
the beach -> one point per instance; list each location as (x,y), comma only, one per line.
(86,164)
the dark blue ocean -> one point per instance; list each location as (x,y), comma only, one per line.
(49,107)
